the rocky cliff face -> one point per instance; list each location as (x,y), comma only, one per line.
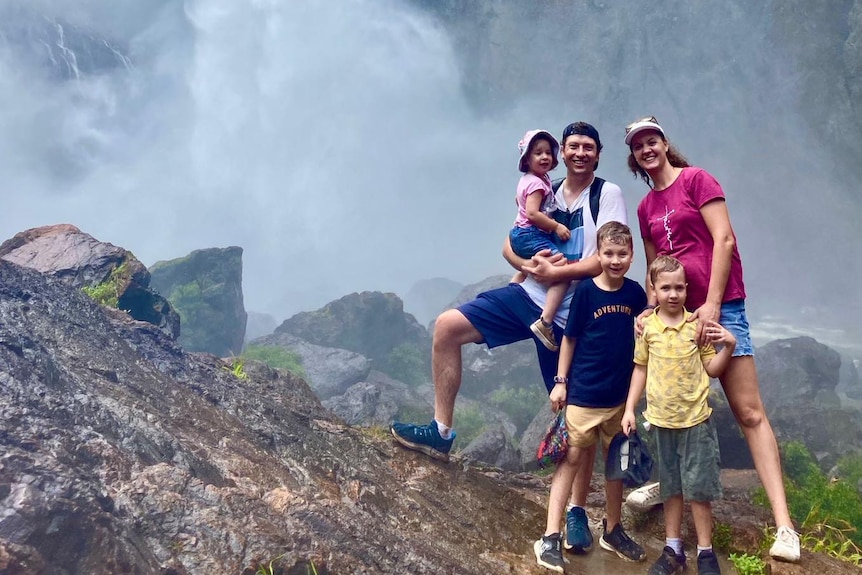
(369,323)
(81,261)
(123,453)
(206,288)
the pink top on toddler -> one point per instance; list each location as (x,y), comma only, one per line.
(532,184)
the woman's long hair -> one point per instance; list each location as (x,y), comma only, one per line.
(676,159)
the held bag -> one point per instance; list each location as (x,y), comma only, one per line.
(552,449)
(629,460)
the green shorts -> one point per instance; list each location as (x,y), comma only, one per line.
(688,462)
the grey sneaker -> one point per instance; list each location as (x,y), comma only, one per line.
(668,563)
(618,541)
(549,553)
(579,538)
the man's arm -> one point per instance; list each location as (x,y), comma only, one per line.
(547,272)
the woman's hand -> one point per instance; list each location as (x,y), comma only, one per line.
(708,312)
(639,321)
(558,397)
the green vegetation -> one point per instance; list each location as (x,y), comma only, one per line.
(107,293)
(520,404)
(746,564)
(829,512)
(406,363)
(469,423)
(722,537)
(276,357)
(237,368)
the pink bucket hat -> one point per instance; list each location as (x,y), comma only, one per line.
(524,146)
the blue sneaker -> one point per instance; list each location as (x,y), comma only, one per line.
(579,538)
(424,438)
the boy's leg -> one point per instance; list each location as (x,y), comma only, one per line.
(701,512)
(673,508)
(614,538)
(561,486)
(581,484)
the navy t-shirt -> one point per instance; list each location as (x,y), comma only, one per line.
(602,322)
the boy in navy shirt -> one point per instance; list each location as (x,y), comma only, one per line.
(592,384)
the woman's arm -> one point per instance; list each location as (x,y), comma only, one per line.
(717,221)
(650,252)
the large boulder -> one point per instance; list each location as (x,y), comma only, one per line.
(329,370)
(79,260)
(370,323)
(375,401)
(205,287)
(494,447)
(797,372)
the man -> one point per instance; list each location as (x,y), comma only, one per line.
(503,316)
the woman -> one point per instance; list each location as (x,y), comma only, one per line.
(685,215)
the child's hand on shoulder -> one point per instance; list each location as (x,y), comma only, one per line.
(716,333)
(563,232)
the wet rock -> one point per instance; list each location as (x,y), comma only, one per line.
(494,447)
(79,260)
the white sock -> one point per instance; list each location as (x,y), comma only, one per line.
(444,431)
(675,544)
(702,549)
(570,506)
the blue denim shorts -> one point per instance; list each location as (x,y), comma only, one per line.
(734,320)
(527,242)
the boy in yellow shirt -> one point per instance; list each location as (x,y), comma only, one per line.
(675,372)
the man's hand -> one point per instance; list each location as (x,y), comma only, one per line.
(563,232)
(542,266)
(708,312)
(558,397)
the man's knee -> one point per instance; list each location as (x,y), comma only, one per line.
(453,328)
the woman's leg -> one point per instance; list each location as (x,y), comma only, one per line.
(743,393)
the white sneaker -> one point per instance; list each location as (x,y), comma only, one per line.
(786,546)
(644,498)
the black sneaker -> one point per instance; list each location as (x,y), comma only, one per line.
(707,563)
(549,553)
(668,563)
(424,438)
(620,543)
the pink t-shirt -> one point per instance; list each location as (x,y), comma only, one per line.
(533,184)
(672,221)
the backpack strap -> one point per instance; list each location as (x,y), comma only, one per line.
(595,195)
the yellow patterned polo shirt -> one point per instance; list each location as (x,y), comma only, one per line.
(677,384)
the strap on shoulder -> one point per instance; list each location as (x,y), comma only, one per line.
(595,196)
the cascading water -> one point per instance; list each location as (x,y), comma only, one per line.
(369,144)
